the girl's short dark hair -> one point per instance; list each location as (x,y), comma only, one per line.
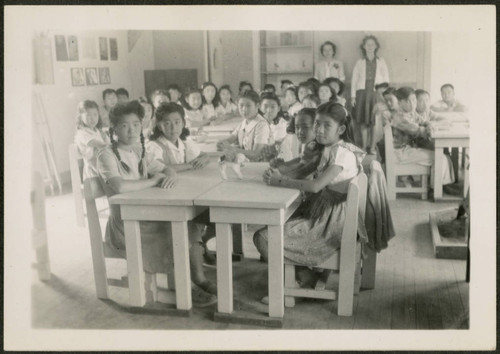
(304,112)
(383,85)
(82,107)
(404,92)
(366,39)
(269,86)
(340,115)
(163,111)
(329,80)
(334,47)
(190,90)
(293,89)
(251,95)
(215,101)
(421,92)
(245,83)
(333,97)
(286,81)
(118,111)
(227,88)
(308,85)
(313,98)
(122,109)
(390,91)
(158,92)
(121,91)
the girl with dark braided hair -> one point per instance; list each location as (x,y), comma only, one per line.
(125,166)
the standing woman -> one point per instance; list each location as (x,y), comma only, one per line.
(368,72)
(329,67)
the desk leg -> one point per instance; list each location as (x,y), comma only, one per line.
(438,168)
(276,272)
(224,268)
(182,271)
(466,172)
(136,282)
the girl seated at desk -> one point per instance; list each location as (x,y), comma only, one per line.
(89,135)
(226,109)
(254,132)
(301,138)
(169,143)
(313,233)
(125,167)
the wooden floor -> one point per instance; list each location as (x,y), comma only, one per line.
(413,290)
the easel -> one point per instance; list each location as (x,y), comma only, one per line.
(42,132)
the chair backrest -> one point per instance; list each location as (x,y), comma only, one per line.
(75,161)
(389,149)
(92,189)
(356,205)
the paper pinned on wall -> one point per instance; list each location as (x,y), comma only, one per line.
(89,48)
(103,48)
(73,48)
(113,49)
(61,49)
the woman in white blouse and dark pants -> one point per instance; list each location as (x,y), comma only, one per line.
(368,72)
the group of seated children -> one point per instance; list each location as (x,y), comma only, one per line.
(306,138)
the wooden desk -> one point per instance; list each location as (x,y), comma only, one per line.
(174,205)
(226,127)
(457,135)
(249,201)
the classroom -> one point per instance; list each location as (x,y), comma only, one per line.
(254,178)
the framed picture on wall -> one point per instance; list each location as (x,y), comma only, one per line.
(91,76)
(103,48)
(73,48)
(77,77)
(61,48)
(113,49)
(104,76)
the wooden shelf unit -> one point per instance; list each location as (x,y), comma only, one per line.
(285,55)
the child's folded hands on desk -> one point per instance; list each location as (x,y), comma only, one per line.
(272,176)
(200,162)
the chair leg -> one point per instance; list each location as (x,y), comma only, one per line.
(290,283)
(391,187)
(151,288)
(369,269)
(425,187)
(171,278)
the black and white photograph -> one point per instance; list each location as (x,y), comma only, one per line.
(104,76)
(77,77)
(91,76)
(284,178)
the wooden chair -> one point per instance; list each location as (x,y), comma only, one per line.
(76,170)
(345,261)
(394,169)
(101,250)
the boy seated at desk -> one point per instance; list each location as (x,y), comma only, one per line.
(448,103)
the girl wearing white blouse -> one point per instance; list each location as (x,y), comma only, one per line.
(369,71)
(329,67)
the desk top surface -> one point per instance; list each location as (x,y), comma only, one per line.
(250,192)
(189,185)
(227,126)
(450,130)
